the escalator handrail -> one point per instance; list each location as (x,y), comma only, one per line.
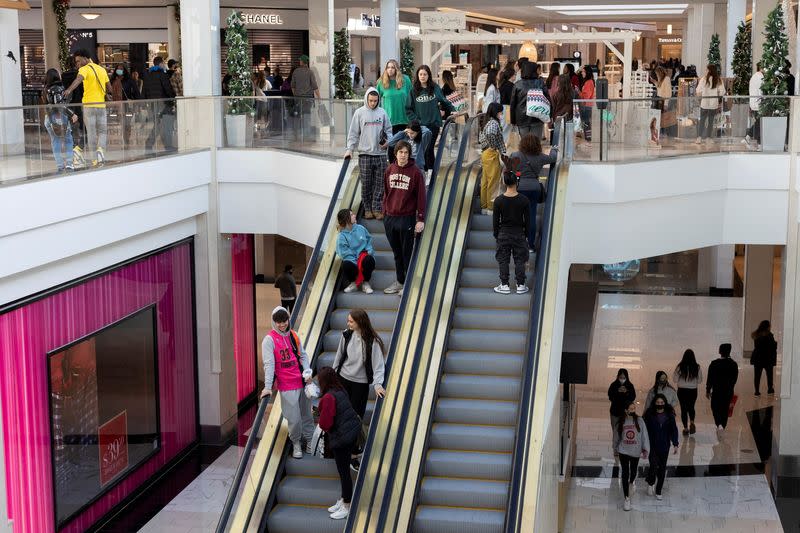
(424,324)
(528,389)
(449,123)
(262,406)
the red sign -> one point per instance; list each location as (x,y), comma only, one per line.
(113,440)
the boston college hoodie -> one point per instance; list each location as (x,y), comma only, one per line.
(404,191)
(366,127)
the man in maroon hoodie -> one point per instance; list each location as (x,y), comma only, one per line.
(404,200)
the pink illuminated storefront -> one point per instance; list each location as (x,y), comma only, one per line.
(98,389)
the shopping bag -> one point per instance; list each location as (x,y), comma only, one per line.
(669,119)
(457,101)
(734,399)
(319,444)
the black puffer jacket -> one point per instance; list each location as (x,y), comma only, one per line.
(346,425)
(765,351)
(519,96)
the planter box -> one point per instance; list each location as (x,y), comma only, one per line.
(238,131)
(740,115)
(773,133)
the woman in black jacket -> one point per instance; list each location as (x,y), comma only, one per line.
(519,101)
(662,431)
(765,355)
(621,393)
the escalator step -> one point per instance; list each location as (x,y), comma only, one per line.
(330,341)
(486,339)
(431,519)
(301,519)
(459,492)
(485,387)
(380,242)
(376,300)
(311,466)
(481,240)
(481,223)
(472,437)
(502,364)
(494,319)
(488,299)
(384,260)
(380,318)
(479,277)
(477,258)
(474,465)
(296,490)
(488,412)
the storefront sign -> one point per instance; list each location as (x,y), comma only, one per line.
(435,21)
(263,19)
(368,20)
(670,40)
(113,444)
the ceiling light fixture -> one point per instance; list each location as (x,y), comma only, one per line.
(564,27)
(612,7)
(614,13)
(528,49)
(669,29)
(90,16)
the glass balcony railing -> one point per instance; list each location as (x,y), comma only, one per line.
(44,141)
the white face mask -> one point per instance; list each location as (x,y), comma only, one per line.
(621,379)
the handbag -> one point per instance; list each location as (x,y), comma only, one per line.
(669,119)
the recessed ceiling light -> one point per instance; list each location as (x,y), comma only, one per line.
(564,27)
(610,7)
(669,29)
(90,16)
(611,13)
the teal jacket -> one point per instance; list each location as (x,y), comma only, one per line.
(351,242)
(425,106)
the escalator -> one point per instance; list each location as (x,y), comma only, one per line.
(468,456)
(273,491)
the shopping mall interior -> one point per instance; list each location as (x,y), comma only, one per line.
(173,172)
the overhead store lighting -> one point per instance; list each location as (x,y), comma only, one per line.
(90,16)
(528,49)
(598,13)
(613,7)
(669,29)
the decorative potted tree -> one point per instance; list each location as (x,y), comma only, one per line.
(713,52)
(341,65)
(407,57)
(774,112)
(742,65)
(238,111)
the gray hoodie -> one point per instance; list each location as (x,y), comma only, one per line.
(633,442)
(268,353)
(366,127)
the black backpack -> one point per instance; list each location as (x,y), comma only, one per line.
(56,113)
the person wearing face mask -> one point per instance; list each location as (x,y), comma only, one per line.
(662,386)
(621,393)
(124,88)
(634,443)
(663,431)
(156,86)
(492,148)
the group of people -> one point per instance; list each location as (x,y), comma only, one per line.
(651,436)
(78,134)
(343,390)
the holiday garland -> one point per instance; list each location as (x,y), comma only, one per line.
(238,63)
(742,63)
(60,8)
(713,52)
(773,61)
(407,57)
(341,65)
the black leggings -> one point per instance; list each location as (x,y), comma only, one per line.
(430,151)
(350,269)
(358,394)
(658,469)
(342,458)
(629,466)
(757,377)
(687,398)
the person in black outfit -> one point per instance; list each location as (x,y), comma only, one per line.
(510,225)
(621,393)
(156,85)
(789,78)
(662,431)
(78,136)
(288,287)
(722,376)
(765,355)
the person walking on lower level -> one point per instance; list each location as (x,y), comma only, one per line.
(663,431)
(404,203)
(510,225)
(621,393)
(633,444)
(288,286)
(338,419)
(764,357)
(688,376)
(722,376)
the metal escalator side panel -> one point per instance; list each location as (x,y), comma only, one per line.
(528,459)
(265,469)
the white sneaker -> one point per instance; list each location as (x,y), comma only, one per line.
(720,428)
(394,288)
(297,453)
(651,491)
(366,287)
(484,211)
(699,140)
(627,505)
(342,512)
(502,289)
(336,506)
(659,497)
(400,293)
(351,288)
(522,289)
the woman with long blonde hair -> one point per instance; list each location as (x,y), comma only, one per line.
(394,88)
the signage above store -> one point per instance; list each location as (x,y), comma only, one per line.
(669,40)
(368,20)
(436,21)
(266,19)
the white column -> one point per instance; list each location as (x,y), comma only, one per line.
(12,132)
(173,34)
(390,45)
(627,70)
(761,9)
(700,27)
(722,263)
(50,32)
(200,46)
(320,44)
(758,272)
(736,14)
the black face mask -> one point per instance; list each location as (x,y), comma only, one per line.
(659,407)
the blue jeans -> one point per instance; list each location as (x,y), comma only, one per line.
(62,146)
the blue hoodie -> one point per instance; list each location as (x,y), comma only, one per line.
(351,242)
